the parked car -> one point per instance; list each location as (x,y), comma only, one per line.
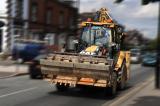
(149,59)
(135,56)
(34,67)
(26,51)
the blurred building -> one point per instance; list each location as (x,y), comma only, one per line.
(3,29)
(86,15)
(135,39)
(18,18)
(51,20)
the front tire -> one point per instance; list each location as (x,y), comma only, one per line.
(35,73)
(32,76)
(62,87)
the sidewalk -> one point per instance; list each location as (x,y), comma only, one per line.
(7,62)
(148,96)
(9,69)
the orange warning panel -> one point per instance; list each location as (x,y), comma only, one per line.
(91,80)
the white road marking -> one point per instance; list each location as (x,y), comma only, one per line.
(17,92)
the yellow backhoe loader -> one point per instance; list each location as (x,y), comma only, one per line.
(99,61)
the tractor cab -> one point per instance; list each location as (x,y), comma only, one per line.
(96,35)
(101,37)
(97,38)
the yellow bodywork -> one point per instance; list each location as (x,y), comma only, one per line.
(123,55)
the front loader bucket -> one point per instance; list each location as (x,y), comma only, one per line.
(76,66)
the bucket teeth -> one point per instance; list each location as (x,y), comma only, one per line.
(60,83)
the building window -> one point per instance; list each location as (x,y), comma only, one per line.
(49,16)
(71,22)
(18,32)
(34,12)
(61,19)
(19,8)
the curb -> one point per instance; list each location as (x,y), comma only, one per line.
(14,75)
(5,62)
(131,93)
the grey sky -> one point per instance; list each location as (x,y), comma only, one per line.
(129,13)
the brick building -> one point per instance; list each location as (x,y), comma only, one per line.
(55,19)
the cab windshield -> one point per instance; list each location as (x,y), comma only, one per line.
(96,35)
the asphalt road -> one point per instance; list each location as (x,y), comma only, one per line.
(22,91)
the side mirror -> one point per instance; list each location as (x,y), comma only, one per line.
(119,30)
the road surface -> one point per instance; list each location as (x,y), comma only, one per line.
(22,91)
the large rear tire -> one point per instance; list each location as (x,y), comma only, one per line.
(122,84)
(112,91)
(32,73)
